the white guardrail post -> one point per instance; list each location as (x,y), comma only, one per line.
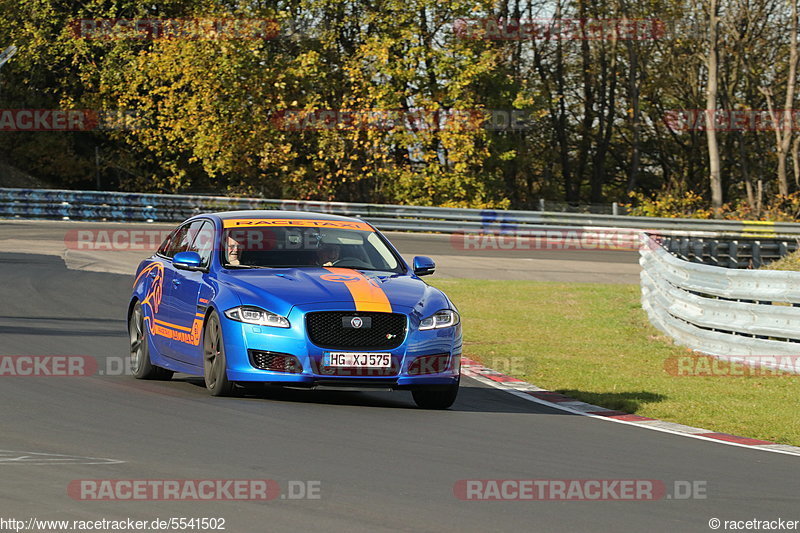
(752,316)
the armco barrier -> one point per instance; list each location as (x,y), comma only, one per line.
(739,252)
(720,311)
(136,207)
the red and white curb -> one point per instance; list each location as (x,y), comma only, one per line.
(527,391)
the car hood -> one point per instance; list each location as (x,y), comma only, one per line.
(280,289)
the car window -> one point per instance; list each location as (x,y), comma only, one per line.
(382,254)
(183,238)
(179,241)
(203,242)
(164,248)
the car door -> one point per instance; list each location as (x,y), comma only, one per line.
(184,292)
(159,281)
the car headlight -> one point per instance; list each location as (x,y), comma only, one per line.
(257,316)
(441,319)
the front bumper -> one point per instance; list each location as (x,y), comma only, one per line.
(241,339)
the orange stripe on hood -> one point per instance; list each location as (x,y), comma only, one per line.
(367,294)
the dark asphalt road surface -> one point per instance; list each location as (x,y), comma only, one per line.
(382,464)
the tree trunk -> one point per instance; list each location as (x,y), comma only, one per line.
(636,127)
(570,188)
(783,147)
(606,122)
(796,161)
(585,137)
(748,179)
(715,177)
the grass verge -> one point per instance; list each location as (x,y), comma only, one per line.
(788,262)
(593,342)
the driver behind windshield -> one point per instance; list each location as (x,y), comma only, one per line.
(233,251)
(328,254)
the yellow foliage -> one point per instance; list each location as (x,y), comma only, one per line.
(692,205)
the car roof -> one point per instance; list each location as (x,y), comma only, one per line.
(274,213)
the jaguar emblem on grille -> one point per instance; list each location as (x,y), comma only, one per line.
(390,336)
(356,322)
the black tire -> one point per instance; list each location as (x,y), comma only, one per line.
(436,399)
(140,363)
(215,365)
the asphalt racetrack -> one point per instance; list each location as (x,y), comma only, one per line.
(379,463)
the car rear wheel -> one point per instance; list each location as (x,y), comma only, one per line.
(215,365)
(436,399)
(140,363)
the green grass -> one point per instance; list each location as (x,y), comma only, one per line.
(593,342)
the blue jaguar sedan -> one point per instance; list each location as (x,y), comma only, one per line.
(293,299)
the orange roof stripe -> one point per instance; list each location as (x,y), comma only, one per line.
(294,222)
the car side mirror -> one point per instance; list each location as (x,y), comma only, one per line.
(187,261)
(424,266)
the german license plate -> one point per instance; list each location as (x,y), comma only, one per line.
(358,360)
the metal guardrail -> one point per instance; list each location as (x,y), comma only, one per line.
(730,253)
(729,313)
(136,207)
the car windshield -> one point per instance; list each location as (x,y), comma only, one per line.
(298,247)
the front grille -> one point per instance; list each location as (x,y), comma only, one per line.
(278,362)
(327,329)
